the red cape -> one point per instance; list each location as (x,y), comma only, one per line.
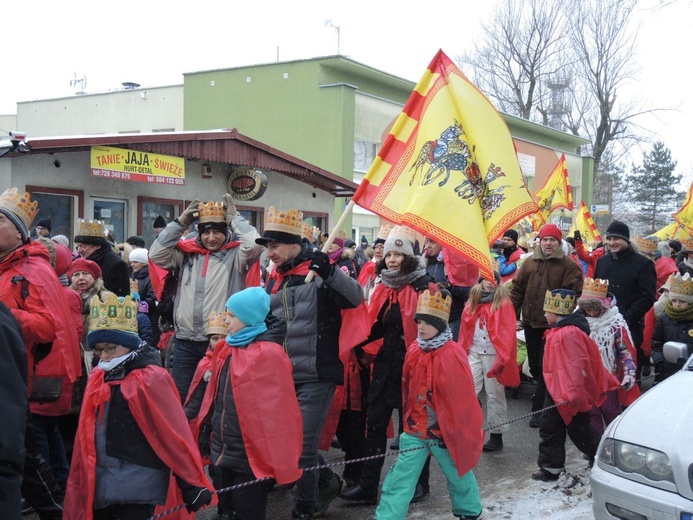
(500,326)
(367,272)
(573,371)
(459,414)
(460,271)
(270,419)
(154,403)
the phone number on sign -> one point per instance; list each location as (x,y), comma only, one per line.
(165,180)
(108,174)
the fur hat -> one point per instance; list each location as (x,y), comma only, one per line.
(619,230)
(82,264)
(140,255)
(250,305)
(551,230)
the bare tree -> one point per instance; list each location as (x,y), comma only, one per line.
(518,51)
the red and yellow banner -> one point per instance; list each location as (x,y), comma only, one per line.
(133,165)
(584,223)
(554,194)
(448,168)
(684,216)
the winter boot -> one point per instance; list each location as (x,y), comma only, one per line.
(495,442)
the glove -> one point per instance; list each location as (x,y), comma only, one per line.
(41,350)
(627,382)
(231,211)
(577,235)
(321,264)
(190,214)
(195,498)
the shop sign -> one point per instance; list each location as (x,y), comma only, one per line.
(246,183)
(133,165)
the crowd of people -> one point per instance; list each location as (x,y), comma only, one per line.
(135,380)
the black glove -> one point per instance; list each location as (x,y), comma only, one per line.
(195,498)
(41,350)
(321,264)
(190,214)
(577,236)
(204,442)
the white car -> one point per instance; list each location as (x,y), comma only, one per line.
(644,464)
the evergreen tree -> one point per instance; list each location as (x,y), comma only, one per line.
(653,187)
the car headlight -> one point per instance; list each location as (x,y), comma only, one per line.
(631,458)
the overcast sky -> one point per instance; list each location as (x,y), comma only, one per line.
(153,42)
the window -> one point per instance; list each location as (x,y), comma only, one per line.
(148,209)
(253,215)
(62,206)
(364,153)
(113,214)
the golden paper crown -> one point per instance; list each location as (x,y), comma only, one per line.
(91,228)
(113,314)
(595,288)
(284,221)
(218,323)
(342,234)
(384,232)
(435,305)
(646,245)
(212,212)
(680,286)
(559,304)
(402,232)
(307,230)
(688,244)
(19,204)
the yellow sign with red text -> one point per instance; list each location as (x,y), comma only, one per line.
(133,165)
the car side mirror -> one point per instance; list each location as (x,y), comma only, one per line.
(676,352)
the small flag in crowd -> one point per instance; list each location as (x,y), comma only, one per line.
(584,223)
(684,216)
(554,194)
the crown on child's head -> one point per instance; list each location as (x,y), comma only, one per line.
(384,232)
(218,323)
(595,288)
(559,301)
(284,221)
(437,305)
(91,228)
(113,314)
(307,230)
(19,204)
(646,245)
(211,212)
(680,287)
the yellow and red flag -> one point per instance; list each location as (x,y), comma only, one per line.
(449,168)
(584,223)
(554,194)
(684,216)
(673,231)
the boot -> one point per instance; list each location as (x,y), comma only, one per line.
(495,443)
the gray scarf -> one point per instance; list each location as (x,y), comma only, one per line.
(395,280)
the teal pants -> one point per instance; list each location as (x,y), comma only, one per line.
(400,482)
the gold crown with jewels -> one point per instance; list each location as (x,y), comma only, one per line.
(91,228)
(646,245)
(211,212)
(284,221)
(113,314)
(680,285)
(595,288)
(308,230)
(218,323)
(19,204)
(436,305)
(563,302)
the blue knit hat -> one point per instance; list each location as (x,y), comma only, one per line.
(251,305)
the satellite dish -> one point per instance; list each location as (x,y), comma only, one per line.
(129,85)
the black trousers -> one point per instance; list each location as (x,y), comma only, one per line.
(534,338)
(249,502)
(125,512)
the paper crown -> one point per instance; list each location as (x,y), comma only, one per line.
(284,221)
(680,286)
(307,230)
(384,232)
(113,314)
(688,244)
(435,305)
(342,234)
(595,288)
(562,302)
(646,245)
(211,212)
(19,204)
(91,228)
(218,323)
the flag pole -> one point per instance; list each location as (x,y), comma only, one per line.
(330,239)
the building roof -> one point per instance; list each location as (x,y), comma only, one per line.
(224,146)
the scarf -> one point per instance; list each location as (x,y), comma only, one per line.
(678,314)
(246,335)
(107,366)
(336,256)
(437,341)
(603,330)
(396,280)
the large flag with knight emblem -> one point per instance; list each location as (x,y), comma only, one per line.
(554,194)
(449,168)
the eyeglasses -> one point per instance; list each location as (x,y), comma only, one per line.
(107,350)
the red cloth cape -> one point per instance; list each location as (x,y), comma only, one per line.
(270,419)
(154,403)
(573,371)
(501,331)
(367,272)
(407,298)
(459,414)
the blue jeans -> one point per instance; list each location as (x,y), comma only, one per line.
(50,445)
(186,355)
(314,400)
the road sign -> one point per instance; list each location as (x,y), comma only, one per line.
(599,209)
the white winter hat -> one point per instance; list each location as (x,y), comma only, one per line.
(139,255)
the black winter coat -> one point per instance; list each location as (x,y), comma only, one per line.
(670,330)
(114,270)
(632,279)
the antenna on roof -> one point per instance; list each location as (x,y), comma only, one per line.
(336,28)
(79,84)
(129,85)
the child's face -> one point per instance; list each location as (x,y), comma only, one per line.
(214,339)
(235,324)
(679,304)
(426,330)
(552,318)
(594,313)
(487,286)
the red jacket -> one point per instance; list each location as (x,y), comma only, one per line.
(664,266)
(591,259)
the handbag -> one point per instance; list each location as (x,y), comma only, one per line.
(46,389)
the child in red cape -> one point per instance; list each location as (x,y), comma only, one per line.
(440,411)
(574,373)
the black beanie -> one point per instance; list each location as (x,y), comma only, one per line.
(675,245)
(159,222)
(44,223)
(511,234)
(619,230)
(205,226)
(438,323)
